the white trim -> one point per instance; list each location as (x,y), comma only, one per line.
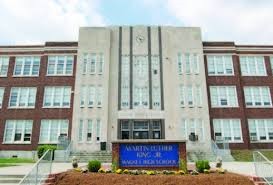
(41,49)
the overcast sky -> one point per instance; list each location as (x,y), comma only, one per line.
(37,21)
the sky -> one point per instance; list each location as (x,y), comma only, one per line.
(37,21)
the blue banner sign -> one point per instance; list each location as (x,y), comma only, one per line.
(149,155)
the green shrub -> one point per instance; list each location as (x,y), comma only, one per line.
(43,148)
(202,165)
(94,166)
(183,165)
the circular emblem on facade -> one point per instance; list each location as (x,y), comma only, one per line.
(140,38)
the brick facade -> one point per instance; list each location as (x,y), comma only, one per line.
(240,81)
(38,113)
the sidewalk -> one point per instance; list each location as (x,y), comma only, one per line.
(244,168)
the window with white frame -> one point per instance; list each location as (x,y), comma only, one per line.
(80,131)
(188,62)
(27,66)
(257,96)
(140,82)
(192,126)
(91,96)
(220,65)
(83,95)
(260,130)
(190,95)
(52,129)
(125,82)
(98,130)
(227,130)
(2,89)
(4,66)
(89,130)
(156,90)
(18,131)
(22,97)
(223,96)
(99,96)
(57,97)
(60,65)
(92,63)
(252,66)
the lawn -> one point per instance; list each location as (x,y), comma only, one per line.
(15,160)
(247,155)
(6,165)
(78,178)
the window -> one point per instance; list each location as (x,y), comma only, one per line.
(141,130)
(84,63)
(60,65)
(125,130)
(99,96)
(52,129)
(2,89)
(4,65)
(261,129)
(179,64)
(156,88)
(227,130)
(220,65)
(257,97)
(271,63)
(252,66)
(18,131)
(89,130)
(27,66)
(83,95)
(93,63)
(100,63)
(98,130)
(223,96)
(125,82)
(192,127)
(57,97)
(140,82)
(22,97)
(80,133)
(190,95)
(188,62)
(91,100)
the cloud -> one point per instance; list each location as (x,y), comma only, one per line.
(37,21)
(244,21)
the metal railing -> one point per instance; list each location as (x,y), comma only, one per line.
(40,171)
(263,167)
(221,149)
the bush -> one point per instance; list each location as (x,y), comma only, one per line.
(94,166)
(202,165)
(43,148)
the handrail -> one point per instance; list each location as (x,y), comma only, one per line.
(68,150)
(263,167)
(35,167)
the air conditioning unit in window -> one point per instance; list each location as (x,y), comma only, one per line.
(193,137)
(253,138)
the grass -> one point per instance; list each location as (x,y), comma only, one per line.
(247,155)
(15,160)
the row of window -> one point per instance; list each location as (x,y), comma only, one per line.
(25,97)
(222,65)
(226,96)
(92,63)
(91,96)
(59,65)
(20,131)
(188,63)
(260,130)
(86,130)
